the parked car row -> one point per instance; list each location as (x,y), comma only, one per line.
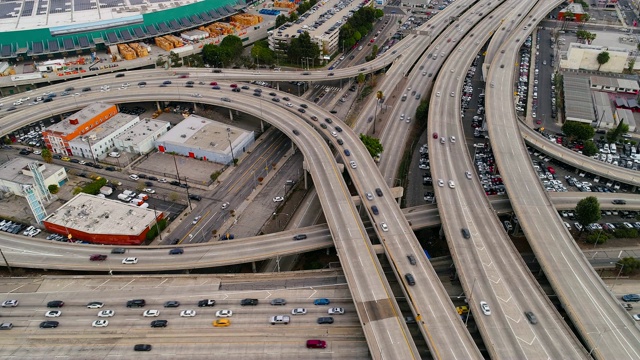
(13,228)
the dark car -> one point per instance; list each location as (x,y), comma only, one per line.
(57,156)
(195,197)
(374,209)
(176,251)
(55,304)
(465,233)
(174,183)
(304,106)
(278,302)
(25,152)
(340,142)
(227,236)
(296,132)
(142,83)
(86,89)
(249,302)
(300,237)
(172,303)
(47,100)
(159,323)
(412,259)
(120,75)
(136,303)
(110,168)
(166,82)
(257,94)
(302,110)
(378,191)
(152,178)
(142,347)
(75,161)
(531,317)
(148,183)
(619,202)
(325,320)
(118,251)
(98,257)
(410,279)
(338,129)
(49,324)
(206,303)
(347,152)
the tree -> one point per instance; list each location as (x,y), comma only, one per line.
(628,265)
(372,144)
(281,20)
(47,156)
(613,134)
(294,17)
(589,149)
(422,112)
(261,52)
(588,211)
(174,59)
(603,58)
(174,197)
(53,188)
(631,65)
(578,130)
(302,47)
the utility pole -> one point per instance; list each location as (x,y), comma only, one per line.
(6,263)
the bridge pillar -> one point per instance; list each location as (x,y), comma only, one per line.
(253,267)
(230,114)
(195,106)
(158,107)
(441,232)
(278,86)
(261,125)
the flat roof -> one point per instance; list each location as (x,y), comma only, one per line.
(141,130)
(202,133)
(325,16)
(577,98)
(91,214)
(84,115)
(109,127)
(612,40)
(12,170)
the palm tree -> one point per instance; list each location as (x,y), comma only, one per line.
(379,96)
(603,58)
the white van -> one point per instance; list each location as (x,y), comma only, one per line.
(612,148)
(114,154)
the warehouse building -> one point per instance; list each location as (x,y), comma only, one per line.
(97,142)
(201,138)
(102,221)
(15,173)
(57,136)
(140,138)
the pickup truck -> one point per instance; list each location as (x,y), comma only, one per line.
(280,319)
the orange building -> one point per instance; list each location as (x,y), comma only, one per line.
(57,136)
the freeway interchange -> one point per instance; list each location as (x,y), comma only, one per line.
(377,310)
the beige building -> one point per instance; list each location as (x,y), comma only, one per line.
(585,57)
(15,173)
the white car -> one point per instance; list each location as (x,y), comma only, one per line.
(125,85)
(149,190)
(106,313)
(452,185)
(224,206)
(440,182)
(438,94)
(278,199)
(636,317)
(334,134)
(82,162)
(467,174)
(289,105)
(336,311)
(10,303)
(95,305)
(196,219)
(452,94)
(188,313)
(130,260)
(151,313)
(298,311)
(224,313)
(384,227)
(100,323)
(353,164)
(37,152)
(453,139)
(485,308)
(163,180)
(369,196)
(53,313)
(133,177)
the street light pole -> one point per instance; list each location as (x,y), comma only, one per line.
(617,276)
(469,302)
(230,145)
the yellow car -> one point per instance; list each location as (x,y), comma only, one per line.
(64,158)
(222,323)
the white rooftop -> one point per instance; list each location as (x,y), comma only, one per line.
(91,214)
(15,170)
(141,130)
(320,20)
(84,115)
(202,133)
(110,126)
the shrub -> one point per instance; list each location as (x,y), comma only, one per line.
(53,188)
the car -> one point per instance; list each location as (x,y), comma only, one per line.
(130,260)
(353,164)
(176,251)
(98,257)
(631,297)
(369,196)
(296,132)
(347,152)
(384,226)
(172,304)
(159,323)
(196,219)
(321,301)
(410,279)
(375,210)
(106,313)
(134,177)
(149,190)
(55,304)
(300,237)
(340,142)
(299,311)
(6,326)
(636,317)
(206,303)
(195,197)
(379,192)
(316,344)
(435,135)
(325,320)
(485,308)
(619,202)
(221,323)
(49,324)
(224,313)
(188,313)
(53,313)
(440,182)
(467,174)
(453,139)
(438,94)
(118,251)
(452,185)
(95,305)
(452,93)
(10,303)
(278,199)
(334,134)
(100,323)
(336,311)
(163,180)
(278,301)
(279,319)
(136,303)
(142,347)
(531,317)
(249,302)
(465,233)
(151,313)
(37,152)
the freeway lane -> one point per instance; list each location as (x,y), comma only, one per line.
(607,330)
(491,268)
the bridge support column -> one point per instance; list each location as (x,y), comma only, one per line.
(195,107)
(253,267)
(230,114)
(261,125)
(278,86)
(441,232)
(158,107)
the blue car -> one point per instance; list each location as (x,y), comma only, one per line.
(321,301)
(631,298)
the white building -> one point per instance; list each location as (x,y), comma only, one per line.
(201,138)
(15,173)
(585,57)
(194,35)
(140,138)
(96,143)
(323,22)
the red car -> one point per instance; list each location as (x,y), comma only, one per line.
(234,85)
(316,344)
(213,83)
(435,135)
